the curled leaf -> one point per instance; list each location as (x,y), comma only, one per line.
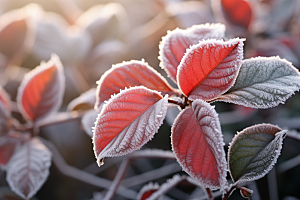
(198,144)
(254,151)
(88,120)
(129,74)
(84,102)
(263,83)
(41,90)
(210,68)
(28,169)
(128,121)
(176,42)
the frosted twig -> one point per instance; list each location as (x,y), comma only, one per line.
(153,153)
(151,175)
(117,180)
(83,176)
(287,165)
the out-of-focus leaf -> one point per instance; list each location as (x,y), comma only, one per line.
(28,168)
(128,121)
(129,74)
(41,90)
(238,12)
(147,191)
(176,42)
(210,68)
(189,13)
(198,144)
(85,101)
(8,144)
(104,22)
(254,151)
(53,36)
(17,33)
(263,83)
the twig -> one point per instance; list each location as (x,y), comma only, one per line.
(117,180)
(209,194)
(272,182)
(287,165)
(83,176)
(151,175)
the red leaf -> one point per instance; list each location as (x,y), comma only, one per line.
(237,12)
(198,144)
(147,191)
(175,43)
(7,148)
(129,74)
(41,90)
(128,121)
(210,68)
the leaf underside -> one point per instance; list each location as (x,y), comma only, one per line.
(41,90)
(129,74)
(176,42)
(210,68)
(128,121)
(254,151)
(198,144)
(263,83)
(28,169)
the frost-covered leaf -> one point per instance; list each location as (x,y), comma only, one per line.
(128,121)
(8,144)
(41,90)
(84,102)
(263,83)
(237,12)
(28,169)
(174,44)
(254,151)
(88,120)
(147,191)
(210,68)
(128,74)
(198,144)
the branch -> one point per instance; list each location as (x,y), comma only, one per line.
(83,176)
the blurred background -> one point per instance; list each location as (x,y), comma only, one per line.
(91,35)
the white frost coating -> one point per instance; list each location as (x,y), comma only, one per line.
(88,97)
(260,162)
(55,93)
(28,168)
(88,121)
(170,58)
(137,133)
(263,83)
(151,153)
(220,78)
(148,187)
(130,74)
(208,121)
(165,187)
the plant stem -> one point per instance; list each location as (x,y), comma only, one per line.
(228,193)
(209,194)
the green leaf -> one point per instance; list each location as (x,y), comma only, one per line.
(254,151)
(263,83)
